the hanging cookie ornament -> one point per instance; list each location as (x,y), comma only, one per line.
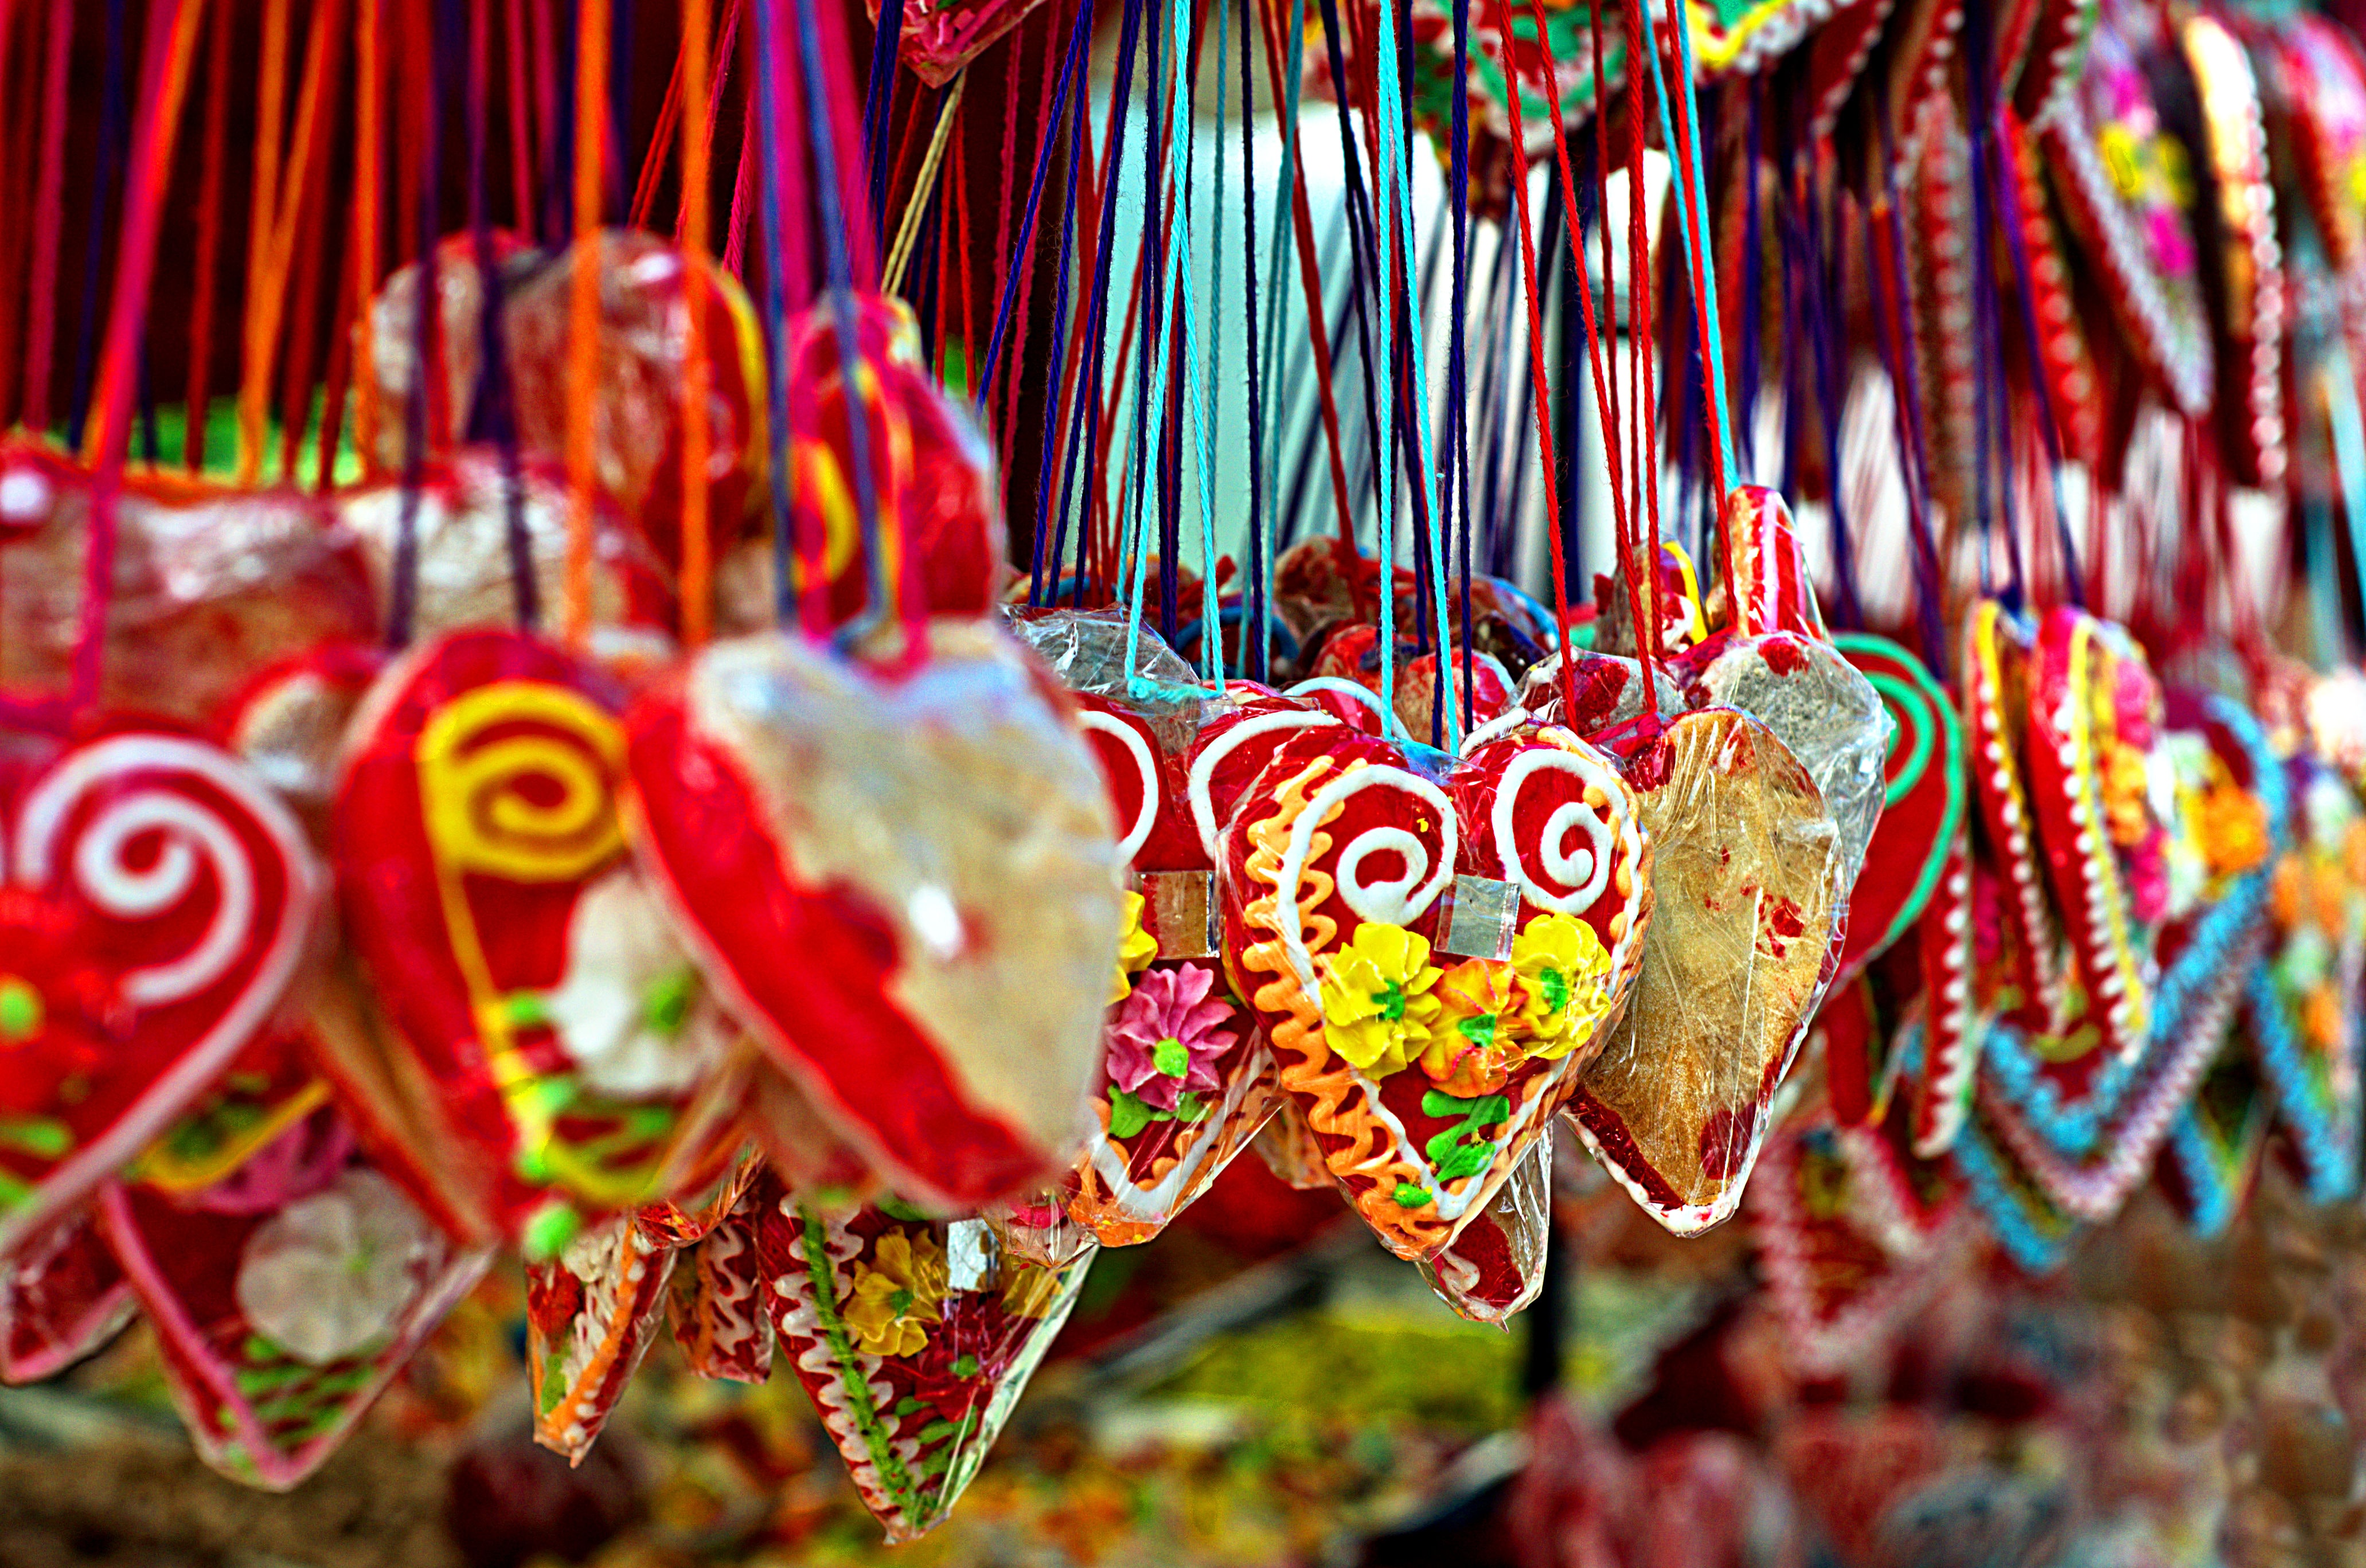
(1924,790)
(935,488)
(591,1312)
(646,289)
(2081,1116)
(518,953)
(208,583)
(2245,263)
(2309,1040)
(930,839)
(2323,72)
(1435,949)
(718,1310)
(1187,1080)
(286,1279)
(913,1338)
(1844,1285)
(2129,190)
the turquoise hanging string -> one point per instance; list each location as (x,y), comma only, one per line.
(1186,133)
(1176,301)
(1693,225)
(1396,136)
(1284,237)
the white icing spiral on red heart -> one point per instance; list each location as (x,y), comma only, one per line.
(1587,869)
(1395,900)
(141,798)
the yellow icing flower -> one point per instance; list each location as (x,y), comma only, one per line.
(1377,1001)
(895,1299)
(1135,948)
(1030,1290)
(1479,1030)
(1565,981)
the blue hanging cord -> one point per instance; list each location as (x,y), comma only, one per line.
(879,100)
(1257,597)
(1069,67)
(1090,389)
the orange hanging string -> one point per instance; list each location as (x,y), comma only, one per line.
(697,148)
(584,317)
(367,172)
(279,203)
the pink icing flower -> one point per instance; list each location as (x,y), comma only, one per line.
(1167,1036)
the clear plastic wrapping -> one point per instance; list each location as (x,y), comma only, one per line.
(1496,1265)
(211,584)
(903,881)
(1748,898)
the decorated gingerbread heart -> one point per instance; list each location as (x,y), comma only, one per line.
(718,1307)
(2094,723)
(158,902)
(2128,187)
(913,1338)
(904,883)
(2029,967)
(592,1313)
(209,581)
(1843,1284)
(1349,869)
(2082,1119)
(285,1296)
(1187,1080)
(517,952)
(2309,1041)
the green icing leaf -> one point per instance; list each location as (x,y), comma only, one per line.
(1170,1059)
(1409,1196)
(1128,1115)
(669,999)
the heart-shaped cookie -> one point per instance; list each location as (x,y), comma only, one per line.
(2311,1042)
(1746,897)
(158,900)
(2083,1121)
(1842,1286)
(516,950)
(2124,183)
(210,582)
(914,1338)
(284,1301)
(2094,717)
(1187,1080)
(1346,867)
(62,1296)
(904,883)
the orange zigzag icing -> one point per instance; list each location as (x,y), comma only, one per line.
(1334,1104)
